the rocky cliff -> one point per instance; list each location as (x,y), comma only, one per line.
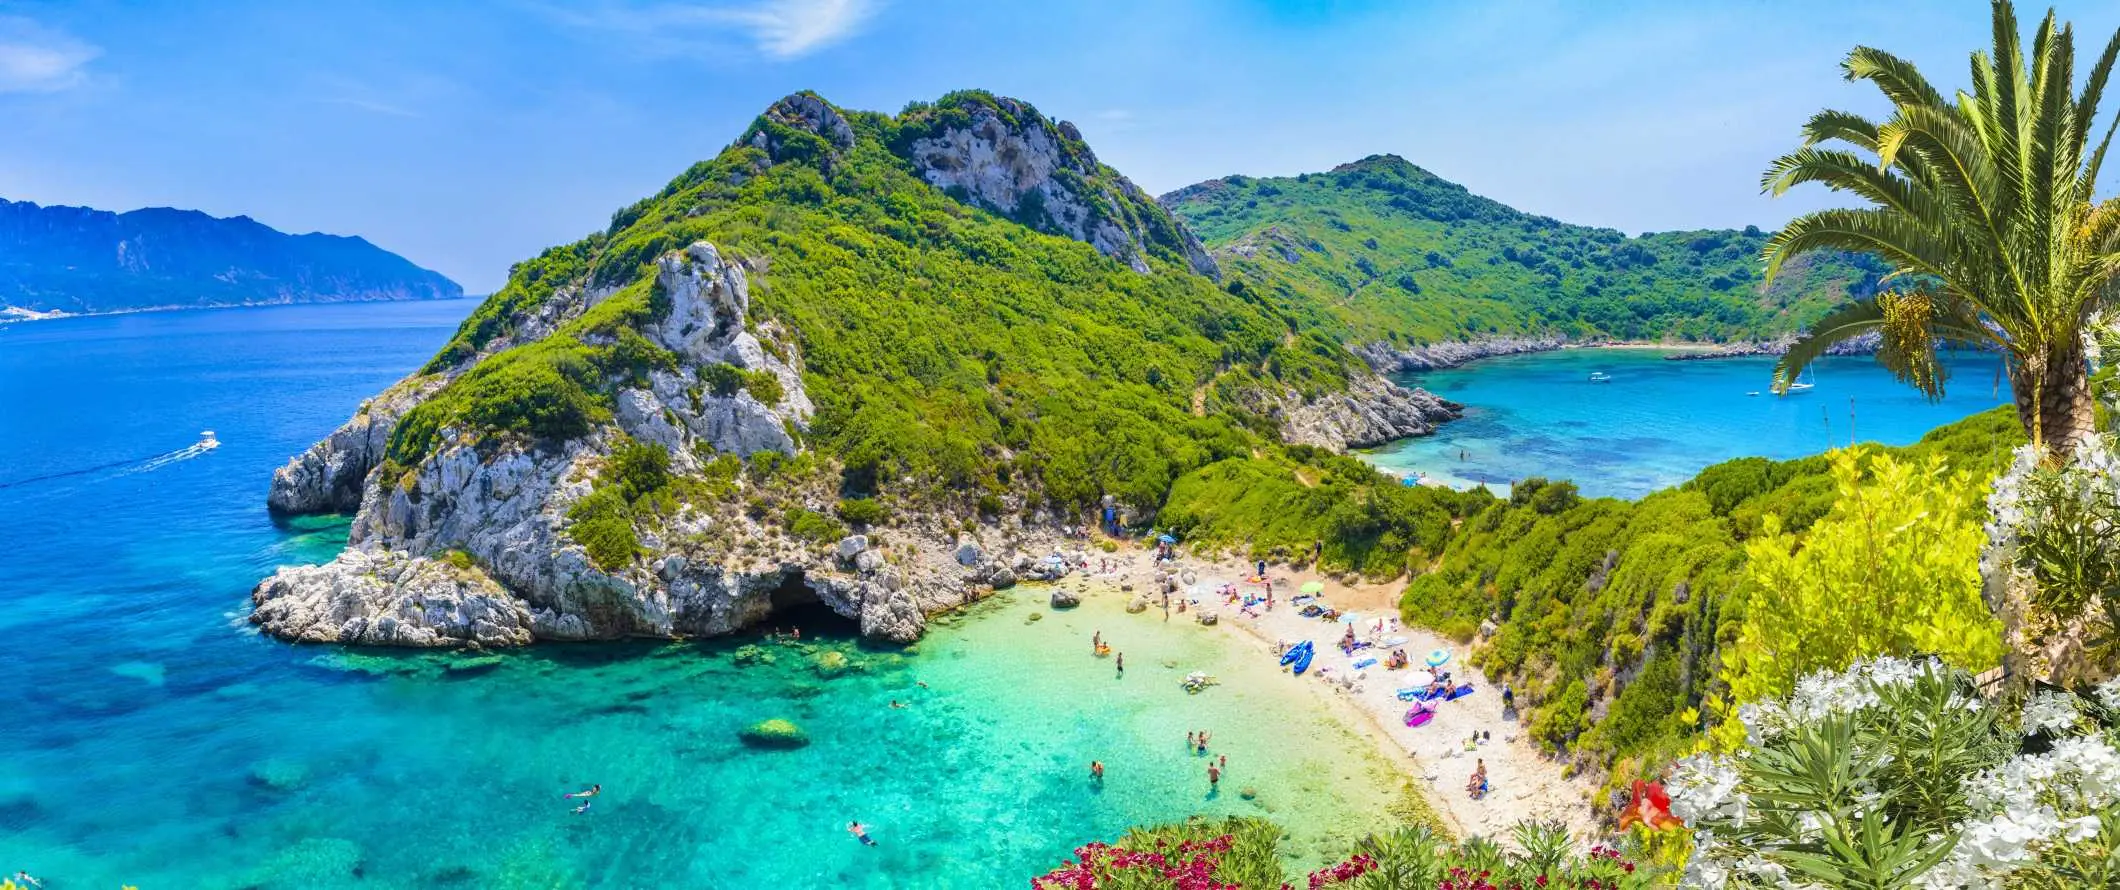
(78,260)
(1001,154)
(1392,358)
(806,375)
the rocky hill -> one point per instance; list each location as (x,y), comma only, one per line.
(77,260)
(879,364)
(1414,270)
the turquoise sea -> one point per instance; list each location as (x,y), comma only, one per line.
(1658,422)
(148,737)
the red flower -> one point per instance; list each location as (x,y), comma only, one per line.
(1651,807)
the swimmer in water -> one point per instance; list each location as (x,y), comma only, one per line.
(593,791)
(26,880)
(583,808)
(861,832)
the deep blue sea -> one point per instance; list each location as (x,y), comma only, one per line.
(148,737)
(1658,422)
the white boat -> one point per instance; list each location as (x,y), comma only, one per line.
(1600,377)
(1799,385)
(206,439)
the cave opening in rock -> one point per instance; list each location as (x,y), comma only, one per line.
(795,604)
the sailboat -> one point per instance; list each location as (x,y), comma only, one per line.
(1800,385)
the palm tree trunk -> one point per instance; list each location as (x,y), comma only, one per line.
(2054,402)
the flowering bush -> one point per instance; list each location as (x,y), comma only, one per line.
(1893,774)
(1193,857)
(1544,858)
(1236,854)
(2054,533)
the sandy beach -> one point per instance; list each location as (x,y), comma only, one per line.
(1524,784)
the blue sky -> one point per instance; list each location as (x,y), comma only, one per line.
(469,135)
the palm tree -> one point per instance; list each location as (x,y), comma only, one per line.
(1983,206)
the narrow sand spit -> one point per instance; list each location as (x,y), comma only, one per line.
(1524,784)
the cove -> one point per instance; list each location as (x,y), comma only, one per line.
(1658,422)
(153,739)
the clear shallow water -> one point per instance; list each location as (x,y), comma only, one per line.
(150,738)
(1658,422)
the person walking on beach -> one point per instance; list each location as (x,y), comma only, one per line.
(1508,698)
(1262,570)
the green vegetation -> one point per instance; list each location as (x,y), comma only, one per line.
(941,343)
(1382,250)
(1610,616)
(862,511)
(635,481)
(1280,509)
(1892,569)
(1243,854)
(1982,204)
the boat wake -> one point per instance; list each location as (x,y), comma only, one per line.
(206,443)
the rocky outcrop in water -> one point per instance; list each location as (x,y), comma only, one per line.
(329,477)
(1391,358)
(477,543)
(1371,412)
(1864,344)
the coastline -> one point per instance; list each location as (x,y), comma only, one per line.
(1526,784)
(17,315)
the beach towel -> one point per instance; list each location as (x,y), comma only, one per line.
(1459,692)
(1419,716)
(1364,663)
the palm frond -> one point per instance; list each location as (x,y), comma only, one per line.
(1853,320)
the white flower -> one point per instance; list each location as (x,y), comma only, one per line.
(1703,790)
(1762,869)
(2108,694)
(2051,712)
(2079,829)
(1705,873)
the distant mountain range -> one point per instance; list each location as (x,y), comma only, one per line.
(79,260)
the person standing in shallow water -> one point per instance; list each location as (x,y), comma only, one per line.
(1214,777)
(1121,662)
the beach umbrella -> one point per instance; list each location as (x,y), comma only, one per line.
(1313,587)
(1419,678)
(1438,657)
(1167,539)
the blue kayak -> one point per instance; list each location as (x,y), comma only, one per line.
(1299,650)
(1303,664)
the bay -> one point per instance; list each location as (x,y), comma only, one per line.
(1656,423)
(150,737)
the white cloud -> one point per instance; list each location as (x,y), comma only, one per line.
(37,59)
(782,29)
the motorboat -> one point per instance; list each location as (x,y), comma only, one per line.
(1600,377)
(207,440)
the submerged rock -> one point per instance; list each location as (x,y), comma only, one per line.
(1065,599)
(279,774)
(777,733)
(830,663)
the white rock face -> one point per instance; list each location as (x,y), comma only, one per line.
(1371,412)
(503,502)
(1042,174)
(329,476)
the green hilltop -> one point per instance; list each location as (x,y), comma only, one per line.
(954,350)
(1380,250)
